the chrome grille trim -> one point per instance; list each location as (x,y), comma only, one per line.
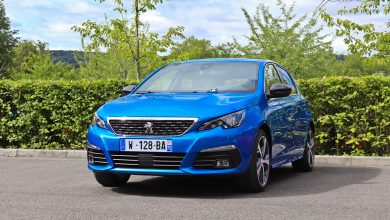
(151,119)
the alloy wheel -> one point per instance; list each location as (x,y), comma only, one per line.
(310,148)
(262,162)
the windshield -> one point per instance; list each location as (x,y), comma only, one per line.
(232,77)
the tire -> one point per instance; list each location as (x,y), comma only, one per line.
(256,178)
(306,163)
(110,179)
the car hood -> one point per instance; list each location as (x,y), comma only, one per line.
(202,106)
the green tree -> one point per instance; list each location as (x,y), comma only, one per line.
(193,48)
(32,61)
(364,39)
(127,41)
(24,55)
(355,65)
(7,41)
(228,49)
(290,41)
(140,6)
(352,65)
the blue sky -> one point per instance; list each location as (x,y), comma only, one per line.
(218,20)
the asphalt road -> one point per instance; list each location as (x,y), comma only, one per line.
(65,189)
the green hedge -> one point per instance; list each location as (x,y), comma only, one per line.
(50,114)
(352,115)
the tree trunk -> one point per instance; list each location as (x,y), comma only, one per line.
(137,24)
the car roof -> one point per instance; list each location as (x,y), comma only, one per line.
(225,60)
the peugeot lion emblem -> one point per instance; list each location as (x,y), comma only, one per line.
(149,128)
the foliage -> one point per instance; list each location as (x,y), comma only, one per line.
(352,115)
(364,39)
(50,114)
(294,42)
(354,65)
(229,50)
(7,41)
(130,46)
(192,48)
(65,56)
(32,60)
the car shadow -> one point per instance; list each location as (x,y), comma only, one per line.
(283,182)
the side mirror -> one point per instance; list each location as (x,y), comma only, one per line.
(279,90)
(128,89)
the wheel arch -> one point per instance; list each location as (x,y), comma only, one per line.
(266,128)
(312,126)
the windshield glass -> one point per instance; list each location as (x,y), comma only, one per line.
(232,77)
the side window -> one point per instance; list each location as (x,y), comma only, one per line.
(286,79)
(271,77)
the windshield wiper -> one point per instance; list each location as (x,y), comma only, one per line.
(143,92)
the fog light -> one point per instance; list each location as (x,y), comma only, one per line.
(222,164)
(90,159)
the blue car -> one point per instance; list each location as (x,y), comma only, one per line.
(238,117)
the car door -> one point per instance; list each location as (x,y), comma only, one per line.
(277,115)
(297,116)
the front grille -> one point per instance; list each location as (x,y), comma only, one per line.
(96,157)
(170,161)
(208,160)
(152,127)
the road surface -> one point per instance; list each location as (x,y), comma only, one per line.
(64,189)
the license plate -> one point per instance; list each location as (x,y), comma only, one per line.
(146,145)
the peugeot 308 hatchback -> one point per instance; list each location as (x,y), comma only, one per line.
(237,117)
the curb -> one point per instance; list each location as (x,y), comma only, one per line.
(320,159)
(357,161)
(43,153)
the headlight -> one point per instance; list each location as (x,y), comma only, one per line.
(228,121)
(99,122)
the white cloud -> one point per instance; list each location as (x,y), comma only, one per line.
(83,8)
(59,28)
(31,3)
(160,23)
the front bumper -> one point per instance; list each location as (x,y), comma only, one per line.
(189,144)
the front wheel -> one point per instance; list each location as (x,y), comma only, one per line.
(257,175)
(306,163)
(111,179)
